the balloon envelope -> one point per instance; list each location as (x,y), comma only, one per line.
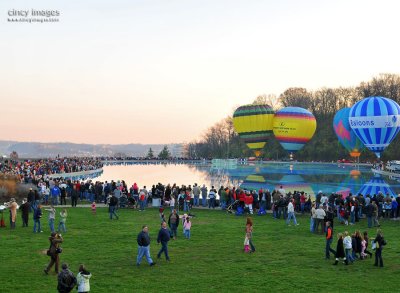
(293,127)
(253,123)
(345,134)
(376,121)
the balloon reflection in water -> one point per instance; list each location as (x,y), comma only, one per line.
(295,182)
(255,182)
(351,184)
(375,185)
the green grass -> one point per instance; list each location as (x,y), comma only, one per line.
(287,258)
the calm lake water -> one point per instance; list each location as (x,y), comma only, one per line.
(308,177)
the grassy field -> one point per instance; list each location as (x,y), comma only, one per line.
(287,259)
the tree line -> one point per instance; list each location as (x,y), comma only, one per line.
(221,140)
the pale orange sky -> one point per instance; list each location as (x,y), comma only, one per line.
(164,71)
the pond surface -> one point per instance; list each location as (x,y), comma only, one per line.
(308,177)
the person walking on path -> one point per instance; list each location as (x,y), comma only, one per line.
(329,239)
(82,279)
(143,240)
(66,280)
(54,252)
(163,238)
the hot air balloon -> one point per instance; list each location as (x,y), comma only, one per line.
(253,123)
(293,127)
(345,134)
(376,121)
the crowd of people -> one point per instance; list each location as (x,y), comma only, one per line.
(34,170)
(324,210)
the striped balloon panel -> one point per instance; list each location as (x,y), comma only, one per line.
(376,185)
(253,123)
(345,134)
(293,127)
(376,122)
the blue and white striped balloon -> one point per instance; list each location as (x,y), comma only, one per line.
(376,122)
(376,185)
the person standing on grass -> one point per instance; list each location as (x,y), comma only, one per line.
(93,208)
(25,207)
(347,242)
(55,241)
(82,279)
(204,193)
(379,243)
(212,195)
(163,238)
(37,214)
(63,219)
(196,195)
(143,240)
(319,217)
(66,280)
(186,226)
(340,250)
(329,239)
(173,223)
(366,239)
(12,205)
(112,206)
(52,217)
(74,196)
(249,233)
(291,214)
(248,202)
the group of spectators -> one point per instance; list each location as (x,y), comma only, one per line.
(31,171)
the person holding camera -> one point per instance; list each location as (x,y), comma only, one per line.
(54,251)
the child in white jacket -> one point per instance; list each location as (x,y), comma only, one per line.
(347,243)
(82,278)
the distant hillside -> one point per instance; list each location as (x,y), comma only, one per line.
(43,150)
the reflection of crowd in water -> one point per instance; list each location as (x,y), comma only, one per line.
(33,170)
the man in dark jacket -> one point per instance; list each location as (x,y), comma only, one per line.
(163,237)
(173,223)
(66,280)
(143,240)
(25,207)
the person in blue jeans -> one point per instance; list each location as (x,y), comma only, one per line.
(173,223)
(37,214)
(112,206)
(163,238)
(329,239)
(143,240)
(291,214)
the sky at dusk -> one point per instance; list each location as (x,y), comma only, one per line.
(127,71)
